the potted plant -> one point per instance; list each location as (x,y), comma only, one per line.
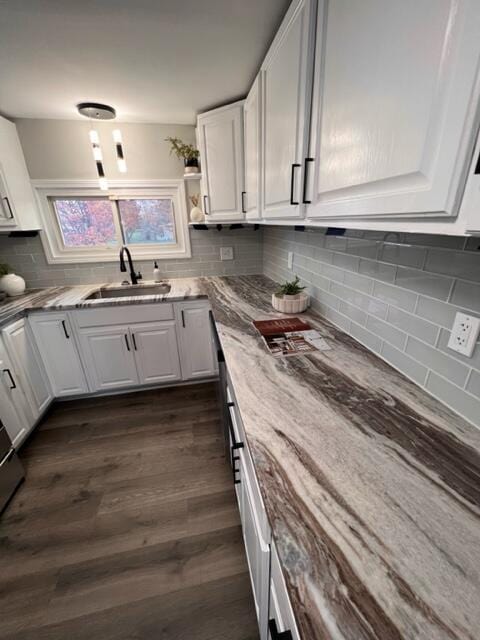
(290,297)
(185,151)
(10,283)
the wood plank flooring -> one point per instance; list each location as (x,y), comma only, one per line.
(127,525)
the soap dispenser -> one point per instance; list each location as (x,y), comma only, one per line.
(156,272)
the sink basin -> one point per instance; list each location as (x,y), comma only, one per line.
(131,292)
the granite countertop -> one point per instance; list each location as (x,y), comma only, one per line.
(372,487)
(73,297)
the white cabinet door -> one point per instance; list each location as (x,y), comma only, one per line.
(55,341)
(196,341)
(394,112)
(109,357)
(30,370)
(281,616)
(156,351)
(286,95)
(220,139)
(252,137)
(14,410)
(18,209)
(256,547)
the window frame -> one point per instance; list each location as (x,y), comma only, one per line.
(51,235)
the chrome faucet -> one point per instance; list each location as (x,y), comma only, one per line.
(135,277)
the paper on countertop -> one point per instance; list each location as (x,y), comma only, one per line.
(316,340)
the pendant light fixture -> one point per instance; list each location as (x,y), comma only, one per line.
(117,139)
(96,111)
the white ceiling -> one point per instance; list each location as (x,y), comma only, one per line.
(153,60)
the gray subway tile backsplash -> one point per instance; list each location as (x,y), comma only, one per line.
(399,299)
(27,257)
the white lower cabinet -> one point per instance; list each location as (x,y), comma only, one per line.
(108,356)
(156,352)
(24,356)
(106,348)
(256,546)
(56,343)
(14,410)
(197,352)
(281,620)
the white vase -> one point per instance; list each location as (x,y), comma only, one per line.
(196,215)
(290,304)
(12,284)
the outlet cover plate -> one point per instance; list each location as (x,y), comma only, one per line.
(226,253)
(464,334)
(290,260)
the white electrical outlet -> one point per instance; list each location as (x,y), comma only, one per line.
(226,253)
(290,260)
(463,337)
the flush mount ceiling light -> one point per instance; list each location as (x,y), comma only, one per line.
(97,111)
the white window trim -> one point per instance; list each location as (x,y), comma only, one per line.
(56,253)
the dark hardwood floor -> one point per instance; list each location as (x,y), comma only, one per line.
(126,526)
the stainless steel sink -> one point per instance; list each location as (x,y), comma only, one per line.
(131,292)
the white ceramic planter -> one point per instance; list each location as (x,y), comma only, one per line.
(12,284)
(196,215)
(290,304)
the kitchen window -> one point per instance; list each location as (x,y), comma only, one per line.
(82,224)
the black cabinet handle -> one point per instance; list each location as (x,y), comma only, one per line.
(9,207)
(275,634)
(234,469)
(305,180)
(134,342)
(205,205)
(292,183)
(126,342)
(244,209)
(12,381)
(183,318)
(235,444)
(477,166)
(65,330)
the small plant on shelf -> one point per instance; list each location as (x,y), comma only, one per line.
(186,152)
(292,288)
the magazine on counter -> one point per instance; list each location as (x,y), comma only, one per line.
(289,336)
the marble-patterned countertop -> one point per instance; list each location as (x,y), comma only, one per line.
(372,487)
(74,297)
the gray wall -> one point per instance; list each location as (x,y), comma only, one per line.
(60,149)
(27,258)
(395,293)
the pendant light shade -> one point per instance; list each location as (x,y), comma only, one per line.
(98,157)
(117,139)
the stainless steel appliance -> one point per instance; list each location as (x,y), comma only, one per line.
(11,471)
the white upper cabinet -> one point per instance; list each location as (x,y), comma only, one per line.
(18,209)
(220,140)
(252,136)
(394,114)
(286,94)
